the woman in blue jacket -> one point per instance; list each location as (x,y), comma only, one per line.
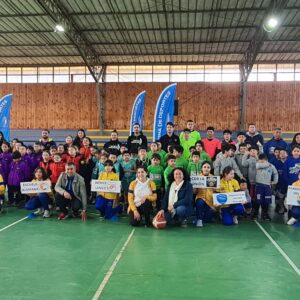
(178,201)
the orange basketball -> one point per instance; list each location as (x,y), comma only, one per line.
(159,222)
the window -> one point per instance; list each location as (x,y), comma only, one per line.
(29,75)
(77,74)
(45,74)
(2,75)
(61,74)
(14,75)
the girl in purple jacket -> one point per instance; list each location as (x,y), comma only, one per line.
(5,161)
(17,174)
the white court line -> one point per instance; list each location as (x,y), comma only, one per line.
(112,268)
(286,257)
(12,224)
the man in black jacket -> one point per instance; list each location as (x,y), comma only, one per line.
(253,137)
(114,145)
(136,139)
(170,138)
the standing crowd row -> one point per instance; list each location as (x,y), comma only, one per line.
(154,180)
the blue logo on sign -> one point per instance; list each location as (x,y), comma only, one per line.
(221,198)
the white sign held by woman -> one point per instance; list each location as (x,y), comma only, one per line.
(205,182)
(293,195)
(106,186)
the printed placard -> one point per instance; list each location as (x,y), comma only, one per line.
(229,198)
(35,187)
(106,186)
(205,182)
(293,195)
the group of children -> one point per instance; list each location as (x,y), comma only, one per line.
(242,166)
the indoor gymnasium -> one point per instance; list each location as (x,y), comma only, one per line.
(149,149)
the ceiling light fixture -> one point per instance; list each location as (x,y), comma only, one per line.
(59,28)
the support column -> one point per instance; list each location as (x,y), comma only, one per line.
(101,95)
(243,97)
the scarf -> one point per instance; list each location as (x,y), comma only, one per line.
(173,194)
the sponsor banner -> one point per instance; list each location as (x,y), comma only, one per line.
(5,104)
(164,111)
(137,113)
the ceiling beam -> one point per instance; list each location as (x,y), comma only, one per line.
(151,12)
(158,29)
(136,54)
(145,43)
(58,14)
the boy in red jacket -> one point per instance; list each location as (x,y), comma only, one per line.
(56,168)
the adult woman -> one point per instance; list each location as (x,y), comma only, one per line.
(114,145)
(69,142)
(178,200)
(141,194)
(295,142)
(79,138)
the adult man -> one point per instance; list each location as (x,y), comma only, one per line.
(195,135)
(71,193)
(136,139)
(254,138)
(46,140)
(186,142)
(211,144)
(170,138)
(275,142)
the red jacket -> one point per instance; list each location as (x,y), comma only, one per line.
(76,160)
(46,167)
(85,152)
(56,170)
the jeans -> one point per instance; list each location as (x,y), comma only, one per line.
(203,211)
(105,206)
(228,213)
(41,200)
(295,212)
(181,213)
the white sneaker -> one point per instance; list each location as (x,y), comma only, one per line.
(199,223)
(291,221)
(39,211)
(46,214)
(235,220)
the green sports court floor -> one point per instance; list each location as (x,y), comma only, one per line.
(50,259)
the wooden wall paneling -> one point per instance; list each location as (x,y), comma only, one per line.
(74,105)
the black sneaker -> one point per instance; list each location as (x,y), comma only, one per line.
(183,223)
(266,217)
(254,216)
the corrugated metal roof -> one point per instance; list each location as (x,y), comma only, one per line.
(145,31)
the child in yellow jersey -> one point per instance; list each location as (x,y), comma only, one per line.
(228,184)
(295,210)
(40,201)
(2,191)
(204,199)
(106,202)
